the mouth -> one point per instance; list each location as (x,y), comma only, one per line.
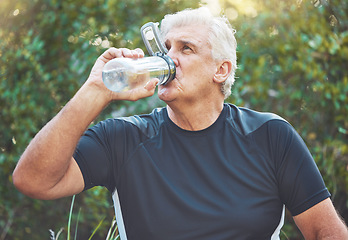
(167,83)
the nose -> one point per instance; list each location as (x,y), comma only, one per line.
(172,56)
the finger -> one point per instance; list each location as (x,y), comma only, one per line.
(110,54)
(126,53)
(147,91)
(151,84)
(135,54)
(121,52)
(138,93)
(140,52)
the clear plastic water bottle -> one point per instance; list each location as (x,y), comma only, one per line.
(123,74)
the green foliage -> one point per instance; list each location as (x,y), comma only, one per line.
(293,59)
(47,48)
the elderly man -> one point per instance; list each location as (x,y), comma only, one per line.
(198,168)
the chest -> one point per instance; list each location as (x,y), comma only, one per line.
(207,187)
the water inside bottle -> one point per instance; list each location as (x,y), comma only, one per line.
(119,80)
(123,74)
(115,80)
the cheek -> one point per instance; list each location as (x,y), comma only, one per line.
(202,72)
(171,87)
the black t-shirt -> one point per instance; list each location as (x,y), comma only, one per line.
(228,181)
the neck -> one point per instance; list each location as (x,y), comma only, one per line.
(195,118)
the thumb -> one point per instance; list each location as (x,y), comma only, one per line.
(149,88)
(151,84)
(137,93)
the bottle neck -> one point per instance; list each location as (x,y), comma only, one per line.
(172,68)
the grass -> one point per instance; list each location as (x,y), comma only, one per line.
(111,235)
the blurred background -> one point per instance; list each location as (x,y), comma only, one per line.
(292,60)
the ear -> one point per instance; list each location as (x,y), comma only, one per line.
(223,70)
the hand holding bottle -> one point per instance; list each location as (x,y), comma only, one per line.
(123,74)
(134,94)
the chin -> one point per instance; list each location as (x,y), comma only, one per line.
(169,92)
(166,94)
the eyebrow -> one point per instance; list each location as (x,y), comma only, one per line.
(182,42)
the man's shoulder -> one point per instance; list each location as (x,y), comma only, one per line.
(148,124)
(246,120)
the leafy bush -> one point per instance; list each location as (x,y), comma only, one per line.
(47,48)
(292,58)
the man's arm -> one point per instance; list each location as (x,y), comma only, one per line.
(321,222)
(47,170)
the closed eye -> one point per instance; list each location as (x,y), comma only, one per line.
(186,48)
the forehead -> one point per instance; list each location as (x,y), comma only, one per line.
(195,34)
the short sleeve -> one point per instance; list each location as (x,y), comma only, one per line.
(94,155)
(300,183)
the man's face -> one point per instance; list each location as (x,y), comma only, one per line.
(195,68)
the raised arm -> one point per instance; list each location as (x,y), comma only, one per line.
(47,170)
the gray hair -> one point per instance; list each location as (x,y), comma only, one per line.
(221,36)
